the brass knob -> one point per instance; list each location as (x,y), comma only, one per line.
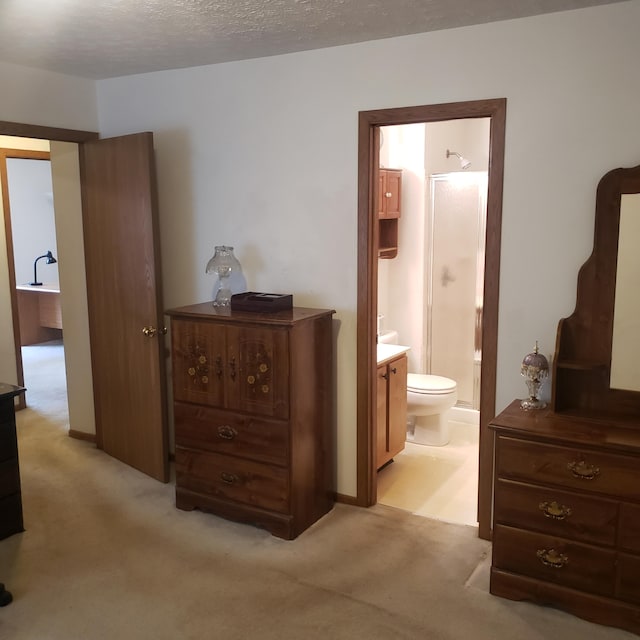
(552,558)
(226,432)
(554,510)
(388,194)
(152,331)
(583,470)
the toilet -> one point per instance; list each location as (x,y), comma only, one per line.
(429,398)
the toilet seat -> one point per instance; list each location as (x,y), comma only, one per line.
(429,384)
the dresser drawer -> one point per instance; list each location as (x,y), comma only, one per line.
(559,513)
(629,578)
(9,478)
(630,527)
(8,442)
(233,479)
(264,440)
(609,474)
(555,560)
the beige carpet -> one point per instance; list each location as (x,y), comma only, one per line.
(106,555)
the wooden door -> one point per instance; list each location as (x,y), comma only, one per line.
(121,240)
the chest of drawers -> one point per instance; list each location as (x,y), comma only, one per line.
(10,492)
(567,515)
(253,406)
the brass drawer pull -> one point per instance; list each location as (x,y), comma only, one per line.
(232,368)
(554,510)
(229,478)
(226,432)
(583,470)
(551,558)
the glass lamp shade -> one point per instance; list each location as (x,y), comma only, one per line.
(230,280)
(535,370)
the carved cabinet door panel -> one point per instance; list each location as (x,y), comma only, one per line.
(258,367)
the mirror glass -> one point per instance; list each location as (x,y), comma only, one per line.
(625,352)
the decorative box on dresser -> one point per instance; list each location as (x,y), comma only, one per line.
(566,517)
(253,413)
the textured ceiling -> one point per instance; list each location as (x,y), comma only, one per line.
(109,38)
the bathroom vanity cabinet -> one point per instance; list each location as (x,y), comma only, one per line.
(566,526)
(391,426)
(253,412)
(10,492)
(389,210)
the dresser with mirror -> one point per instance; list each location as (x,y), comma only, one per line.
(566,516)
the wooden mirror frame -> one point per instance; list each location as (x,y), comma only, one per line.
(582,361)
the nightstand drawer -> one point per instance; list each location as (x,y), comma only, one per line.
(609,474)
(199,427)
(555,560)
(9,478)
(233,479)
(555,512)
(8,442)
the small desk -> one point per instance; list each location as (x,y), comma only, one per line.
(39,312)
(10,493)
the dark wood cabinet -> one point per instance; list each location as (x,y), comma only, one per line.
(10,492)
(389,210)
(391,409)
(567,514)
(253,407)
(566,525)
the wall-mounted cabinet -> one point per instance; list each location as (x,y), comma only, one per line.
(389,209)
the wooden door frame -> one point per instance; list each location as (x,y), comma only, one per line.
(368,156)
(27,131)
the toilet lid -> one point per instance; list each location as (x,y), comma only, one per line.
(427,383)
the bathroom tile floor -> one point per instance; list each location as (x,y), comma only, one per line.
(435,482)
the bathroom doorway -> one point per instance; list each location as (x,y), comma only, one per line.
(370,123)
(430,294)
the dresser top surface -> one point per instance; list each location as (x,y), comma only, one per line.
(9,390)
(544,424)
(206,311)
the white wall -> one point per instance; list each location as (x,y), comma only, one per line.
(33,228)
(36,97)
(31,96)
(262,155)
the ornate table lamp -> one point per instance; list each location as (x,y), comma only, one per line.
(535,370)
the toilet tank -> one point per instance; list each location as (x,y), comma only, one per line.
(388,336)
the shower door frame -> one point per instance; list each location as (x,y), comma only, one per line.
(369,123)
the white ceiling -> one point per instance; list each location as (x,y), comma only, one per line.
(109,38)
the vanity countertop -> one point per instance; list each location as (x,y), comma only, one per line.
(388,352)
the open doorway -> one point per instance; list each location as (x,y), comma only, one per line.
(430,298)
(31,239)
(368,175)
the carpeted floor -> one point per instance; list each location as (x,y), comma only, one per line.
(106,555)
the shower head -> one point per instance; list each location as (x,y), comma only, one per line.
(464,163)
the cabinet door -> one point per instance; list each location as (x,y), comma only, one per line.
(381,420)
(389,193)
(257,370)
(199,360)
(397,372)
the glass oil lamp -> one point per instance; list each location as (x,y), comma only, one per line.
(230,280)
